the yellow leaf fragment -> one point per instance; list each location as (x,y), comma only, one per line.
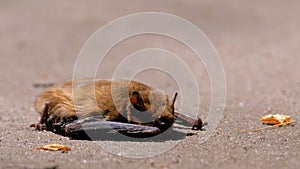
(275,119)
(54,147)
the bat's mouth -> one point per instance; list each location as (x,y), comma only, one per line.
(163,123)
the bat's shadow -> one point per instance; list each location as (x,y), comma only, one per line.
(116,136)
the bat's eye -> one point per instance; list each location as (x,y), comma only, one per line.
(134,101)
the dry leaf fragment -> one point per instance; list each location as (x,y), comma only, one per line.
(54,147)
(275,119)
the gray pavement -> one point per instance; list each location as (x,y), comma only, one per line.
(258,43)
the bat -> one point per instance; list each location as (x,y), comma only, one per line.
(128,107)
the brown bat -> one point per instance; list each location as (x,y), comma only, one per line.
(128,107)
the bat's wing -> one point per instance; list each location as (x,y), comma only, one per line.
(96,128)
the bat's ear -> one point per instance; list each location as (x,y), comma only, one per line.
(137,101)
(173,102)
(174,99)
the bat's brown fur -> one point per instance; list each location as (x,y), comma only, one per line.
(121,105)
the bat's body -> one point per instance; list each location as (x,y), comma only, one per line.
(131,106)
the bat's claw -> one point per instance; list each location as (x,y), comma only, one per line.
(198,124)
(38,126)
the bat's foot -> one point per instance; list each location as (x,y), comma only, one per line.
(42,124)
(38,126)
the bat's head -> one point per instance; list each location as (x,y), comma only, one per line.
(154,109)
(165,116)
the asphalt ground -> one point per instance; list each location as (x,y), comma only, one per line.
(257,41)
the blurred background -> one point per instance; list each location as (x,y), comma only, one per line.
(257,41)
